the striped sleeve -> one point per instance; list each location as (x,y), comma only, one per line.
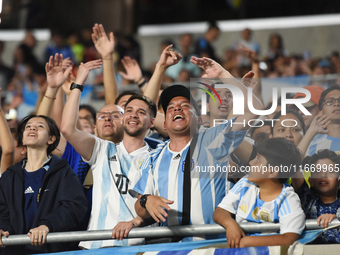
(291,216)
(231,201)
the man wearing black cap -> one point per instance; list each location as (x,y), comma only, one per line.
(163,188)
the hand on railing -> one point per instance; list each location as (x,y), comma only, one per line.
(3,233)
(122,229)
(38,235)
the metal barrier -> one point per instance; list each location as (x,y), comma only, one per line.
(156,232)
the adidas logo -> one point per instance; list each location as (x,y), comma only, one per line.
(243,208)
(178,156)
(114,158)
(29,190)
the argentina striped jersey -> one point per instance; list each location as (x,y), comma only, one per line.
(163,173)
(243,200)
(323,141)
(113,170)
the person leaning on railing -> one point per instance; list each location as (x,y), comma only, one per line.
(40,194)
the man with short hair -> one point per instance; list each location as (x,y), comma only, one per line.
(161,188)
(329,105)
(114,166)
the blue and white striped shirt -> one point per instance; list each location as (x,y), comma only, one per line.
(323,141)
(244,201)
(162,174)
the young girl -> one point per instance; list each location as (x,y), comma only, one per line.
(321,201)
(40,194)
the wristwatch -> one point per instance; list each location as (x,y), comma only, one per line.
(76,86)
(143,199)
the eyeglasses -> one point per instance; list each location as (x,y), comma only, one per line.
(331,101)
(111,115)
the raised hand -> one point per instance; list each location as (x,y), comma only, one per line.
(67,84)
(103,44)
(247,78)
(67,62)
(133,71)
(211,68)
(84,70)
(169,57)
(320,123)
(54,71)
(250,54)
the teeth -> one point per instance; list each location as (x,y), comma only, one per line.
(132,122)
(178,116)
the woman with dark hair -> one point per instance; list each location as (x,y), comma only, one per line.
(40,194)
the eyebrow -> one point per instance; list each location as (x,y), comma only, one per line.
(180,102)
(109,112)
(139,109)
(39,122)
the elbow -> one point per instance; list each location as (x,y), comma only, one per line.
(65,129)
(8,151)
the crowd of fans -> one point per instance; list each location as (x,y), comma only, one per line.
(134,162)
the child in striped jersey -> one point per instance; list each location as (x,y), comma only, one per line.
(263,196)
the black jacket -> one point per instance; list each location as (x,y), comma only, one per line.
(62,203)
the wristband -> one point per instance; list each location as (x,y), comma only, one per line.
(52,98)
(142,84)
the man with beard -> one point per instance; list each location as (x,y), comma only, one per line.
(329,105)
(114,166)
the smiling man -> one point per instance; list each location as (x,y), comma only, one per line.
(114,166)
(161,190)
(329,105)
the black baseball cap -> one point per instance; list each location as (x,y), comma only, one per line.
(177,90)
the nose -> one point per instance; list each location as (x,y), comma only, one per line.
(108,117)
(223,98)
(33,128)
(178,108)
(289,133)
(337,101)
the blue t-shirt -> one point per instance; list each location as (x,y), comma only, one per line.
(314,207)
(76,162)
(33,183)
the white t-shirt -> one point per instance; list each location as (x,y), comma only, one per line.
(243,200)
(114,169)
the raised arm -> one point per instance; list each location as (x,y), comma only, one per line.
(82,141)
(7,143)
(255,66)
(168,58)
(56,75)
(133,72)
(318,125)
(105,47)
(214,70)
(55,78)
